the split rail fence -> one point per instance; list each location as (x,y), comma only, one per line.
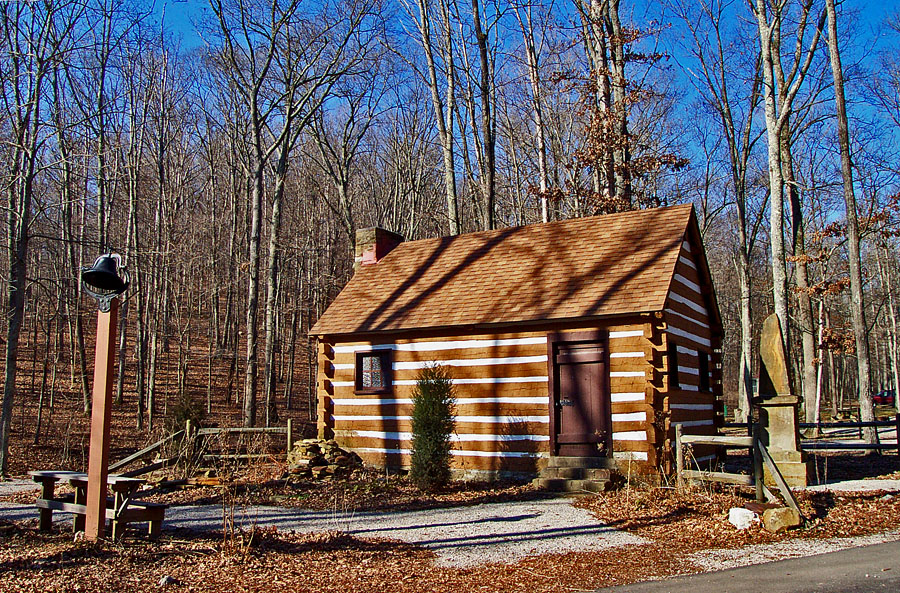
(760,457)
(842,430)
(205,434)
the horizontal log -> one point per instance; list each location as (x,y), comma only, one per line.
(723,477)
(628,384)
(518,363)
(512,464)
(678,312)
(353,440)
(470,342)
(689,397)
(686,337)
(238,430)
(632,446)
(719,440)
(630,364)
(462,408)
(462,353)
(678,416)
(463,372)
(144,451)
(812,445)
(689,273)
(636,406)
(632,426)
(532,389)
(462,425)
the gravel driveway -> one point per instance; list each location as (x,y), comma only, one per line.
(462,536)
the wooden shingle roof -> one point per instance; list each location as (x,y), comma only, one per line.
(579,268)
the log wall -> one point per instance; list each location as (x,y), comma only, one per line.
(689,328)
(503,402)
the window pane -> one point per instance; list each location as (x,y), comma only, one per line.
(372,377)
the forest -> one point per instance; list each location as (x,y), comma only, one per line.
(231,166)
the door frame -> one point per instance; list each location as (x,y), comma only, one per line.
(554,340)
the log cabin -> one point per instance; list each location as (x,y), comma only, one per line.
(582,338)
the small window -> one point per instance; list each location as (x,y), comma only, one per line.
(373,371)
(704,371)
(672,354)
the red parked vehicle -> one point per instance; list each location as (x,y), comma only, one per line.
(884,398)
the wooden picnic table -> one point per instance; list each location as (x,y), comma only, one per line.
(121,509)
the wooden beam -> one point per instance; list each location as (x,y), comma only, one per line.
(148,468)
(144,451)
(779,479)
(696,439)
(724,477)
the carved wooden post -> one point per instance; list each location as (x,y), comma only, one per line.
(290,435)
(101,408)
(679,458)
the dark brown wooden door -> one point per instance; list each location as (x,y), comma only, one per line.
(582,415)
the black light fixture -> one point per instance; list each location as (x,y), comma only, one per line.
(105,280)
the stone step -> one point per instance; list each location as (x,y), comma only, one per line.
(577,473)
(582,462)
(561,485)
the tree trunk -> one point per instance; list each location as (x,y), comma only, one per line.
(487,120)
(857,297)
(801,267)
(443,117)
(252,325)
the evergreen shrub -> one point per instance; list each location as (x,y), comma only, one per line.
(432,424)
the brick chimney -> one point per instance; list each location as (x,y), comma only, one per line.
(373,244)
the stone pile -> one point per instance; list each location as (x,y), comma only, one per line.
(321,460)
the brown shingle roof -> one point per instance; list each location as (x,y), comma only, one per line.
(583,267)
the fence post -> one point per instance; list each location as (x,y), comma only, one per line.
(756,458)
(290,435)
(897,427)
(679,459)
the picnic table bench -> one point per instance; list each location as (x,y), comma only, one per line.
(121,508)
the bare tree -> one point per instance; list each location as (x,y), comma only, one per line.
(36,36)
(532,46)
(857,295)
(721,90)
(444,106)
(281,59)
(780,88)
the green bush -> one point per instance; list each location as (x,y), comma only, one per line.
(432,425)
(186,408)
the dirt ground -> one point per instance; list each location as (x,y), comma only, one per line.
(677,526)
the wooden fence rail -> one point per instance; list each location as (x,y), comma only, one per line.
(287,430)
(813,444)
(760,456)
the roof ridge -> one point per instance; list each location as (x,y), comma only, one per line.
(541,225)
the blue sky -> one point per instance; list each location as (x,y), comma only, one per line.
(180,14)
(179,18)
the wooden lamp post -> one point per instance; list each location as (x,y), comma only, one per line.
(104,281)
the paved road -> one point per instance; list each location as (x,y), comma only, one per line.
(869,569)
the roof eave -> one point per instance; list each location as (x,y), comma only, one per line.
(480,327)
